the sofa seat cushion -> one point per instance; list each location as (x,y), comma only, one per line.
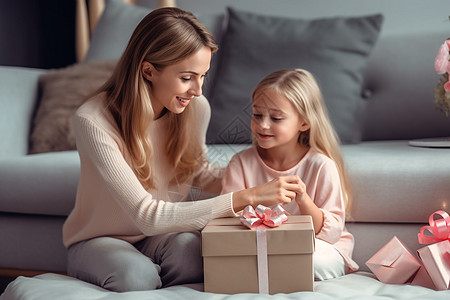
(395,182)
(391,181)
(40,183)
(33,243)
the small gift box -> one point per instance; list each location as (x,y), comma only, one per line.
(234,259)
(393,263)
(436,260)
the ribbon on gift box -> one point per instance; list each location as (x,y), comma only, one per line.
(263,216)
(439,228)
(260,219)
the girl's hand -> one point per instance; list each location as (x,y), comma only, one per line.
(280,190)
(308,207)
(301,196)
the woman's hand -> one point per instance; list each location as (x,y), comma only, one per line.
(280,190)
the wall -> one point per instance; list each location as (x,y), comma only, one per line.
(37,33)
(40,33)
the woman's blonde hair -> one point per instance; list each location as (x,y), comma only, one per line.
(301,89)
(164,37)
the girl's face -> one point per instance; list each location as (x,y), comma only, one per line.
(175,85)
(275,121)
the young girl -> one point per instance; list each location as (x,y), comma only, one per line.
(293,136)
(141,141)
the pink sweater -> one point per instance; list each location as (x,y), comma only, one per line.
(110,199)
(319,173)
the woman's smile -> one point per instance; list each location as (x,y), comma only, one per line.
(184,101)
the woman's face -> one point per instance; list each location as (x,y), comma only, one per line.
(175,85)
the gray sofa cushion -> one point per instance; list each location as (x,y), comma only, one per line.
(18,97)
(33,243)
(399,88)
(40,184)
(394,182)
(335,50)
(118,22)
(386,177)
(114,29)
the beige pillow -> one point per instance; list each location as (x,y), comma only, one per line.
(62,92)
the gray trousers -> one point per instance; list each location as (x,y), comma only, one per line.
(163,261)
(155,262)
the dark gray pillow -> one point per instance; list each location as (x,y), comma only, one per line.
(335,50)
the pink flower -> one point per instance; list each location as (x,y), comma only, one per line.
(447,86)
(441,63)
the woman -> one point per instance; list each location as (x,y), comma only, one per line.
(141,141)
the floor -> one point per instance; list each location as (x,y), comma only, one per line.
(4,281)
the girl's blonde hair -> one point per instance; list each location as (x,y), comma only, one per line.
(164,37)
(301,89)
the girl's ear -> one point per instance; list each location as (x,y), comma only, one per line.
(304,126)
(148,70)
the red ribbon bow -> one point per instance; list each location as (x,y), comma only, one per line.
(263,217)
(440,229)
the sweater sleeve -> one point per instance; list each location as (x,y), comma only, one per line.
(329,199)
(151,216)
(233,179)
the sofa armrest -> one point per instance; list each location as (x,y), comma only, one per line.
(39,184)
(19,91)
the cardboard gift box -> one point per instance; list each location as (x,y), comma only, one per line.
(393,263)
(231,261)
(436,260)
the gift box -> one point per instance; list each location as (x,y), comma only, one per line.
(240,260)
(393,263)
(436,260)
(423,279)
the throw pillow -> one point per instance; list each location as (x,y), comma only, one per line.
(335,50)
(62,92)
(114,29)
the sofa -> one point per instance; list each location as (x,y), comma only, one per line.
(387,66)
